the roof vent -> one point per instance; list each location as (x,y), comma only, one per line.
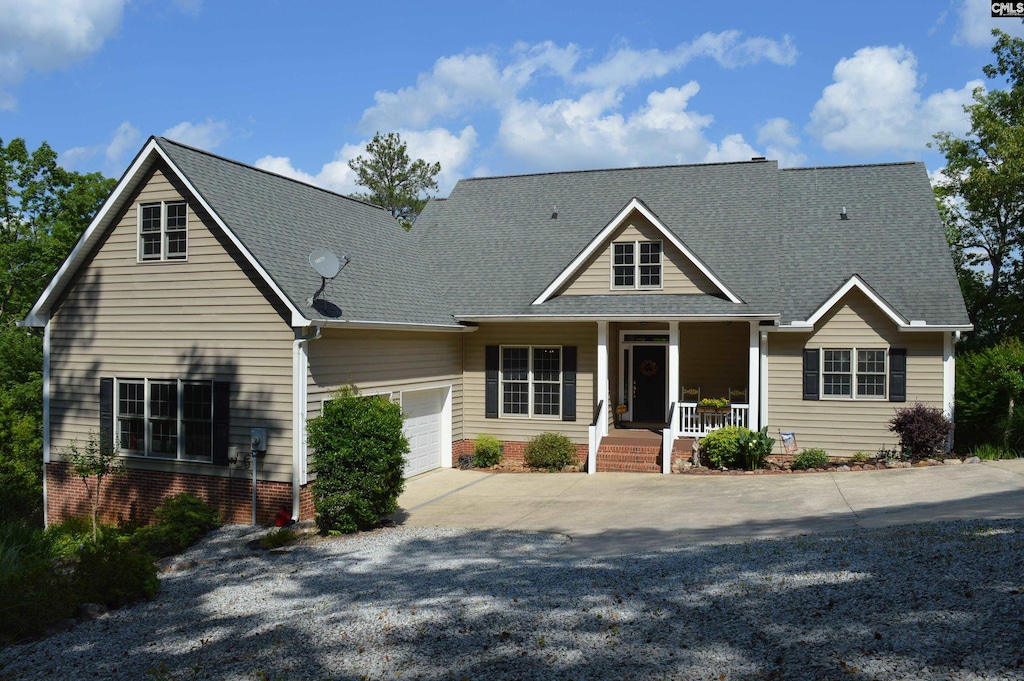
(843,215)
(758,159)
(554,212)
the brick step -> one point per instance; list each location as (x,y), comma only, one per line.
(616,467)
(628,449)
(629,459)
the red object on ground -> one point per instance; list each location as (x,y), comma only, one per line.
(283,518)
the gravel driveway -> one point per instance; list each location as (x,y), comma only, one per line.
(930,601)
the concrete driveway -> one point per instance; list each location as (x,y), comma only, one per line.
(616,513)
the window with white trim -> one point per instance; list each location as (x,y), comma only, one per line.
(636,265)
(165,419)
(531,381)
(841,377)
(163,230)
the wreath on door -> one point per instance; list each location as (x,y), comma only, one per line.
(649,368)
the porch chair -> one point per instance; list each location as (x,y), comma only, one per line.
(738,396)
(691,396)
(788,442)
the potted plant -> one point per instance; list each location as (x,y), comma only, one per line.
(713,405)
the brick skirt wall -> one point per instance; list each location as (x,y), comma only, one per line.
(131,497)
(511,451)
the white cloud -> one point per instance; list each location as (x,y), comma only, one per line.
(43,35)
(206,135)
(975,24)
(875,105)
(627,66)
(453,152)
(586,132)
(123,140)
(781,142)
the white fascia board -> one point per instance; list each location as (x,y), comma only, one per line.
(40,311)
(392,326)
(617,318)
(937,327)
(858,283)
(602,236)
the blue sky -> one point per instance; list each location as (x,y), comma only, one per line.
(495,87)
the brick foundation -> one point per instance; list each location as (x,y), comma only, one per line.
(511,451)
(133,496)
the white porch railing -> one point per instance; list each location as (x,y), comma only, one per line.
(695,423)
(595,433)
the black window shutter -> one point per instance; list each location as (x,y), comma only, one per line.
(491,368)
(569,383)
(898,375)
(811,367)
(106,413)
(221,422)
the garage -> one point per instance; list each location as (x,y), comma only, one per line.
(424,423)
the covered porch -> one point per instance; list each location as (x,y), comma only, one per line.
(677,379)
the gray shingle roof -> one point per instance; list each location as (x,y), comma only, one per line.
(281,221)
(773,236)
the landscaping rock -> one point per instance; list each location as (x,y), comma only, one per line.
(843,469)
(952,462)
(972,459)
(91,611)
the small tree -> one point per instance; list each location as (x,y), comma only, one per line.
(923,430)
(394,180)
(96,460)
(359,461)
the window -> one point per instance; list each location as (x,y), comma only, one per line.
(636,265)
(165,419)
(841,377)
(163,231)
(531,381)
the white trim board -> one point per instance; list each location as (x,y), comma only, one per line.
(602,237)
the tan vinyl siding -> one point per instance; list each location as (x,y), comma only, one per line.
(198,319)
(521,429)
(385,362)
(713,357)
(679,274)
(844,426)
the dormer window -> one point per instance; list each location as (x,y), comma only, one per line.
(163,231)
(636,265)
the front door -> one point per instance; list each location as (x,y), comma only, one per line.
(648,373)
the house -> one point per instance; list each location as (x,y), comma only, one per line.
(815,299)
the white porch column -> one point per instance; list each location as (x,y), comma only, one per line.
(602,374)
(673,372)
(754,378)
(762,416)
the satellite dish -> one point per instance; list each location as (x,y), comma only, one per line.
(325,263)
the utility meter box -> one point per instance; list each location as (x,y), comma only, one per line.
(258,439)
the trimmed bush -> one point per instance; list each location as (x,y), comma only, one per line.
(181,521)
(359,461)
(551,451)
(114,572)
(923,430)
(487,451)
(34,590)
(810,458)
(721,447)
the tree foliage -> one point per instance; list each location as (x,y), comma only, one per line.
(394,181)
(982,198)
(990,392)
(43,211)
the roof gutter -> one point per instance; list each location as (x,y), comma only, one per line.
(618,317)
(392,326)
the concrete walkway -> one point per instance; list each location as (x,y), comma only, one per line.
(616,513)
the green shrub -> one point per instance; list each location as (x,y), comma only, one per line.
(810,458)
(721,447)
(359,461)
(487,451)
(278,538)
(923,430)
(551,451)
(34,590)
(988,452)
(114,572)
(181,521)
(754,448)
(859,457)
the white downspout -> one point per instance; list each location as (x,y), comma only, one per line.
(300,367)
(46,414)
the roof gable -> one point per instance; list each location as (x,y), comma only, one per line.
(603,238)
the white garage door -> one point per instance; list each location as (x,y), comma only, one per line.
(422,410)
